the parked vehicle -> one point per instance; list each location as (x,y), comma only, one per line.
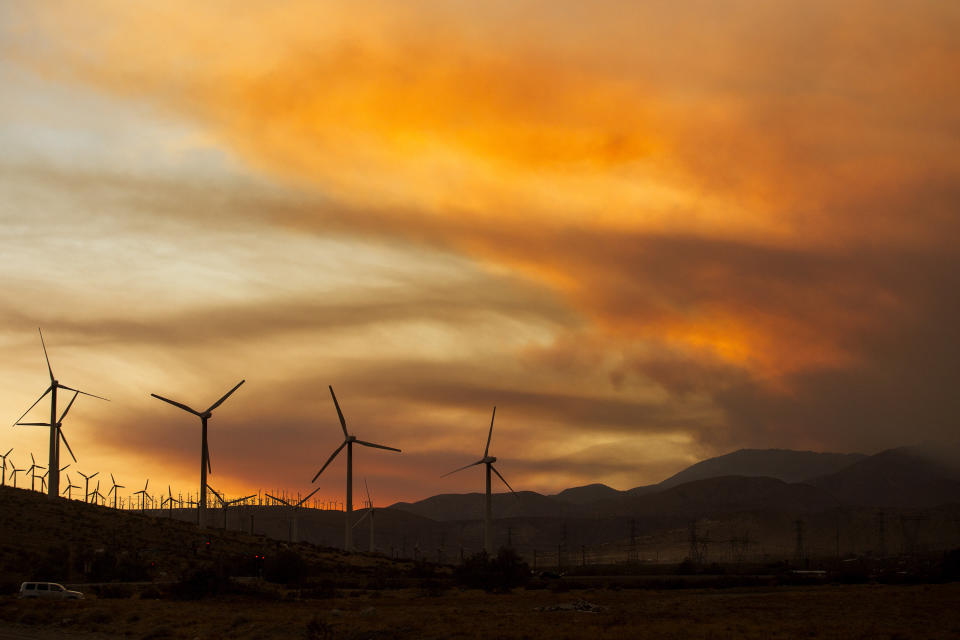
(48,590)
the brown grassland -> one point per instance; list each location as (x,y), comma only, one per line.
(853,611)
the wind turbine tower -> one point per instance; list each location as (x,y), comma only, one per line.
(348,442)
(3,471)
(204,449)
(487,460)
(113,489)
(370,513)
(56,433)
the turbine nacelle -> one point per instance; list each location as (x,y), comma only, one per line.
(489,459)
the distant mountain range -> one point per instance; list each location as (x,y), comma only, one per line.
(776,480)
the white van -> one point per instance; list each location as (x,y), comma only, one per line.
(48,590)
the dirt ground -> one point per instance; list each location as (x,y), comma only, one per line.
(861,611)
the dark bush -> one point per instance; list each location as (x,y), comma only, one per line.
(500,574)
(285,567)
(951,565)
(198,583)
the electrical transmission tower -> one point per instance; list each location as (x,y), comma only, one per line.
(799,552)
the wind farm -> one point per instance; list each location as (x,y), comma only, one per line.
(699,259)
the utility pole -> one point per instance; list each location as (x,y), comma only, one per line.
(880,521)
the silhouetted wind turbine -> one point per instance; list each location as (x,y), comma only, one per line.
(204,449)
(70,487)
(98,497)
(348,443)
(56,433)
(113,490)
(43,478)
(86,484)
(3,471)
(224,503)
(488,460)
(294,534)
(370,513)
(14,471)
(33,473)
(143,494)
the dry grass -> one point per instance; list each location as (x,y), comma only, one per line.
(861,611)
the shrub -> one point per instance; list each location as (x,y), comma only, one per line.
(500,574)
(286,567)
(198,583)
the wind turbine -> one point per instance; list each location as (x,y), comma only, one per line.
(348,441)
(14,471)
(69,488)
(113,489)
(3,471)
(86,484)
(98,498)
(43,478)
(33,473)
(204,449)
(226,503)
(143,494)
(488,460)
(168,501)
(294,537)
(56,432)
(370,512)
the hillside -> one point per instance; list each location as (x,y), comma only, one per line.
(588,494)
(916,477)
(729,494)
(782,464)
(71,541)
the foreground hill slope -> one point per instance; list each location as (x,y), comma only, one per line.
(70,541)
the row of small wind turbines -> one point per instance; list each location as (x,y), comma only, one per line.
(56,437)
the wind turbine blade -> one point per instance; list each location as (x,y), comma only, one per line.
(343,423)
(45,356)
(32,424)
(145,484)
(95,475)
(113,480)
(309,495)
(329,460)
(278,499)
(377,446)
(225,396)
(176,404)
(490,434)
(243,499)
(362,518)
(504,480)
(70,404)
(64,438)
(42,396)
(367,487)
(83,393)
(9,452)
(32,460)
(472,464)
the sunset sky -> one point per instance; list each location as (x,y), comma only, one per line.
(648,232)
